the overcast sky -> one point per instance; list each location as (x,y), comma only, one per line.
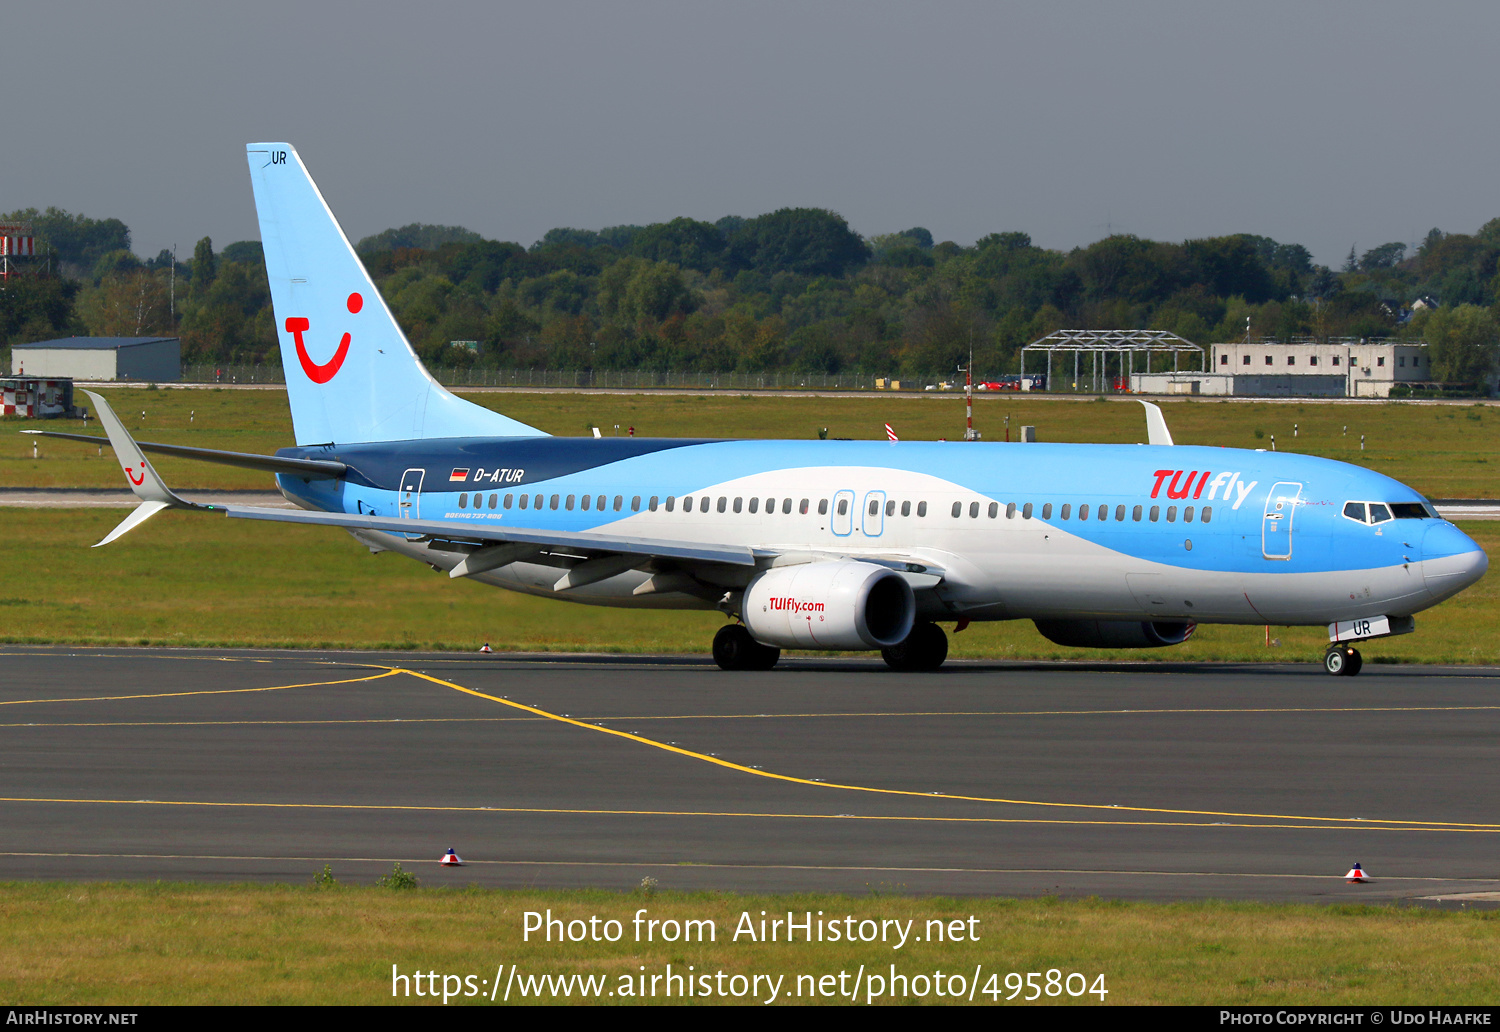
(1325,124)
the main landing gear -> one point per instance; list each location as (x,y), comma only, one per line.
(1342,659)
(924,649)
(734,649)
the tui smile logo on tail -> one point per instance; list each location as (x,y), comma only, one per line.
(297,326)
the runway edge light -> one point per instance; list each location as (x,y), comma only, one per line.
(450,859)
(1356,874)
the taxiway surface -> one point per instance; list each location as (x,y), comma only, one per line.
(1150,780)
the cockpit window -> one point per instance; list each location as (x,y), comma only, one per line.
(1377,512)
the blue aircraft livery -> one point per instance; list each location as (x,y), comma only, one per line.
(807,544)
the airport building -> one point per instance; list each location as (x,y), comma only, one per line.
(1335,368)
(144,359)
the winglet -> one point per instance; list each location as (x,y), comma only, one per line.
(147,484)
(1156,424)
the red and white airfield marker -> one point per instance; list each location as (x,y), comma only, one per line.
(450,859)
(1356,874)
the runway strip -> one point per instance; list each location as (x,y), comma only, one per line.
(326,762)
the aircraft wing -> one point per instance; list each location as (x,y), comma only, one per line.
(582,556)
(309,469)
(513,542)
(445,530)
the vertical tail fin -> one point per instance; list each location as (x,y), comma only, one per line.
(351,376)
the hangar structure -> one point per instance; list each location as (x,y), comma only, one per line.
(1126,346)
(148,359)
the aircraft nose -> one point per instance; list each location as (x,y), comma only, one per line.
(1451,560)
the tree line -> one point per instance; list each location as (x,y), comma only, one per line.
(795,289)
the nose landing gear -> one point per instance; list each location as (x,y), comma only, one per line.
(1342,659)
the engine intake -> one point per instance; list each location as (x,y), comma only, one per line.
(831,605)
(1115,634)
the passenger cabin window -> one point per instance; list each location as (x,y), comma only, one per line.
(705,501)
(587,503)
(843,506)
(786,507)
(723,503)
(670,501)
(822,506)
(874,507)
(890,507)
(1187,515)
(1135,514)
(1047,511)
(687,504)
(1207,514)
(921,508)
(1155,513)
(649,505)
(906,508)
(508,499)
(755,504)
(802,508)
(738,504)
(569,504)
(635,504)
(1119,514)
(1083,512)
(958,509)
(463,501)
(493,500)
(524,500)
(555,499)
(620,502)
(1171,514)
(1066,509)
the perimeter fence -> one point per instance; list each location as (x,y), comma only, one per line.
(625,379)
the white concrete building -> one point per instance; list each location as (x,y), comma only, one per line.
(1369,369)
(148,359)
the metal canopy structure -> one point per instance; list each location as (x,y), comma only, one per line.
(1101,344)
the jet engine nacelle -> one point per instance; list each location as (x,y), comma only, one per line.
(1115,634)
(831,605)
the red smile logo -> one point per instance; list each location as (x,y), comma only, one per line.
(134,479)
(297,326)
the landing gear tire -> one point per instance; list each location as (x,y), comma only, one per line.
(923,650)
(1343,660)
(734,649)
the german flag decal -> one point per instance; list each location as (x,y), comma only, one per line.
(459,475)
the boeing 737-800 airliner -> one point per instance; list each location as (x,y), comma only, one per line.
(807,544)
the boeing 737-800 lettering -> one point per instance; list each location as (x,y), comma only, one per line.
(807,544)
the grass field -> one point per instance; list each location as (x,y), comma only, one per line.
(189,579)
(1444,451)
(267,944)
